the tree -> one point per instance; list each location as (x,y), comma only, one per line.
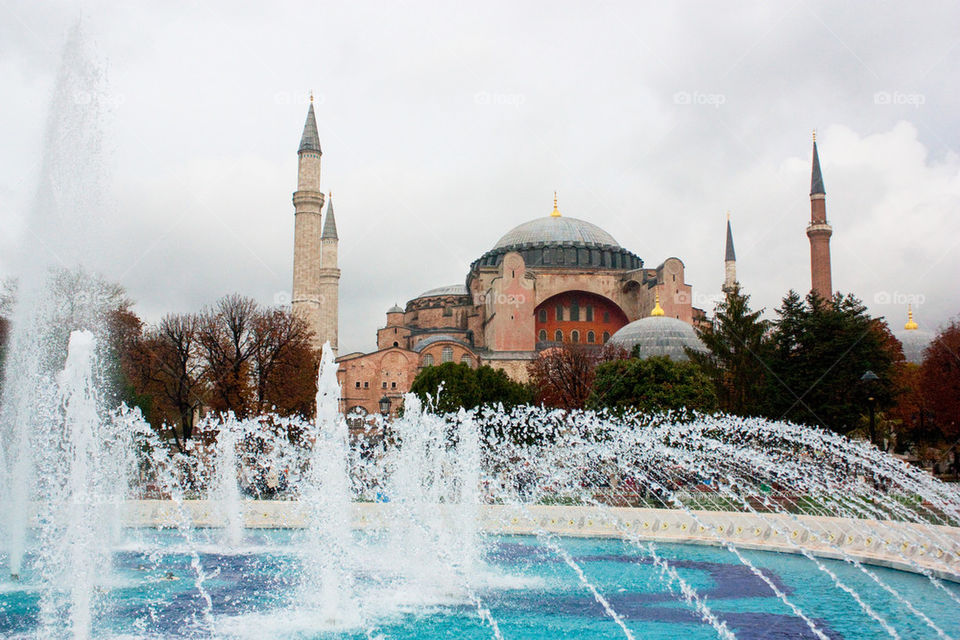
(562,376)
(652,384)
(819,351)
(940,382)
(737,346)
(228,341)
(450,386)
(284,364)
(166,365)
(125,331)
(910,416)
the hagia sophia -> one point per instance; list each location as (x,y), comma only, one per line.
(552,280)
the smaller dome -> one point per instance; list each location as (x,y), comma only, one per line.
(395,309)
(914,342)
(449,290)
(658,336)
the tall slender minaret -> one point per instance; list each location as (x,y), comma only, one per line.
(308,205)
(819,231)
(329,282)
(729,262)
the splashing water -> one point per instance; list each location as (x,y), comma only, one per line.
(403,526)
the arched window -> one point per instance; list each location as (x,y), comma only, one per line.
(446,355)
(428,360)
(543,335)
(589,313)
(466,359)
(558,336)
(606,336)
(396,344)
(559,313)
(574,311)
(543,315)
(575,336)
(591,337)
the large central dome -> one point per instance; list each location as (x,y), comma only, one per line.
(553,230)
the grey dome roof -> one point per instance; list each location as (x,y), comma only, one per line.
(914,342)
(658,336)
(556,230)
(449,290)
(395,309)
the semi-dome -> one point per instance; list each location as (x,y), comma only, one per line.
(658,336)
(553,230)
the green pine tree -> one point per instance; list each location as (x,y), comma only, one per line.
(819,351)
(736,361)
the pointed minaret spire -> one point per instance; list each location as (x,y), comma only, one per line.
(730,255)
(816,178)
(307,300)
(729,261)
(310,140)
(819,231)
(329,283)
(330,223)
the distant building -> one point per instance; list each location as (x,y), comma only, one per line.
(548,281)
(913,339)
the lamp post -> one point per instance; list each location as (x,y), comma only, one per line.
(869,379)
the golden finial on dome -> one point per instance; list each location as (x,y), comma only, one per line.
(657,309)
(311,95)
(814,135)
(911,325)
(556,212)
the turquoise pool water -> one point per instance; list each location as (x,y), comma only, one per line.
(530,590)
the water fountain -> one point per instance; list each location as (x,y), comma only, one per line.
(531,523)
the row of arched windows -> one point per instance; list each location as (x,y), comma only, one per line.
(574,336)
(446,355)
(573,314)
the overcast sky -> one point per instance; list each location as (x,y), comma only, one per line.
(444,125)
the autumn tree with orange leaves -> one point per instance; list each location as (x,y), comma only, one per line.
(940,384)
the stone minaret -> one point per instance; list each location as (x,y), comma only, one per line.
(729,261)
(819,232)
(329,282)
(308,205)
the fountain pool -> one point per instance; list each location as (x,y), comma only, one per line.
(529,590)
